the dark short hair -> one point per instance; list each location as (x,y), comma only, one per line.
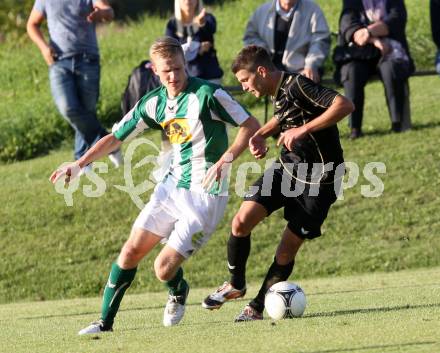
(166,47)
(250,57)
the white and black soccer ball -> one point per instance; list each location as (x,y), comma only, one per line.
(285,300)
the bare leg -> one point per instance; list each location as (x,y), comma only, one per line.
(139,244)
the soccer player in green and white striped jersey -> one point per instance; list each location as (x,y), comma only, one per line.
(187,205)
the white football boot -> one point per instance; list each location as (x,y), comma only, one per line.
(94,328)
(175,309)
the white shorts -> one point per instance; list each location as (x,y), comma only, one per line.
(184,218)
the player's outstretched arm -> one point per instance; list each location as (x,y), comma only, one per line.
(241,142)
(102,148)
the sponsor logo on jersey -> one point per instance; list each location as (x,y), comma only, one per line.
(177,130)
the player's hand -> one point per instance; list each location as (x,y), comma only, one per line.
(200,19)
(49,55)
(218,172)
(311,74)
(67,171)
(289,137)
(257,146)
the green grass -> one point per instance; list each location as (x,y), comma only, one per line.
(371,313)
(51,251)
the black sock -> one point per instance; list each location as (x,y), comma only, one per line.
(276,273)
(238,252)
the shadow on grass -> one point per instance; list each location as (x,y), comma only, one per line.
(415,127)
(373,289)
(378,347)
(370,310)
(307,316)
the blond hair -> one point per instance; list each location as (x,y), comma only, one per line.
(194,28)
(166,47)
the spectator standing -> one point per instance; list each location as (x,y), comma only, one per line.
(194,28)
(294,32)
(376,26)
(72,55)
(435,27)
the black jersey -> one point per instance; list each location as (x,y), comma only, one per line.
(297,101)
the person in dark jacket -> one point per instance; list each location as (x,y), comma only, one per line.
(435,27)
(194,28)
(377,28)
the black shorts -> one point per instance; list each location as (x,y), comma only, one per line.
(305,213)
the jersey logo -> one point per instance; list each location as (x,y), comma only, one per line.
(304,231)
(177,130)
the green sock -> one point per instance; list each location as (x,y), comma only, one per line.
(178,285)
(118,282)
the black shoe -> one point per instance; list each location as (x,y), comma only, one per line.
(355,133)
(396,127)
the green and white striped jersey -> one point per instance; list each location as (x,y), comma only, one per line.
(195,122)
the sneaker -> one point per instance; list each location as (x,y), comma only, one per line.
(175,309)
(249,314)
(223,293)
(94,328)
(116,158)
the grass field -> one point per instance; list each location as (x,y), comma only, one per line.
(371,313)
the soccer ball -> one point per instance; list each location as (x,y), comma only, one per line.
(285,300)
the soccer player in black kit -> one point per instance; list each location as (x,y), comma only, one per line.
(304,181)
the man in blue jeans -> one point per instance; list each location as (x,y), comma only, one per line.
(72,55)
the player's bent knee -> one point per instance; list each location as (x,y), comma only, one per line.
(163,271)
(240,226)
(130,253)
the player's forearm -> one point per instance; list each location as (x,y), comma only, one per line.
(241,142)
(340,108)
(270,128)
(102,148)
